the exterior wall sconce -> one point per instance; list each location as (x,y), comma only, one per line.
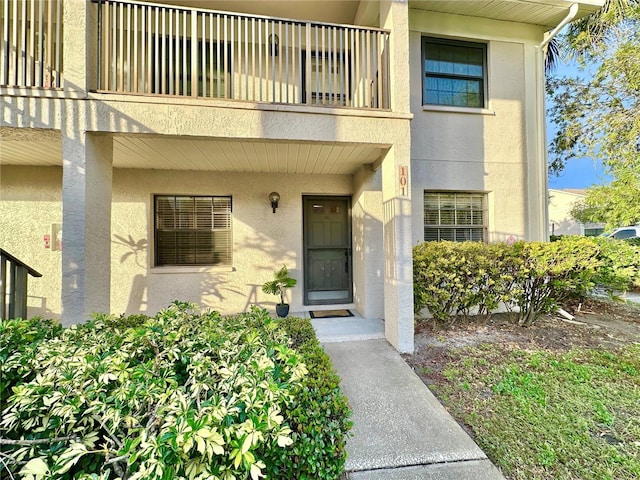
(274,41)
(274,198)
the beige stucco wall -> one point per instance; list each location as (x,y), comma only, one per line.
(31,201)
(368,255)
(262,240)
(488,150)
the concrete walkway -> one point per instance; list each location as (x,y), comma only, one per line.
(633,297)
(400,430)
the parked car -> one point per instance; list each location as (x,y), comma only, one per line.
(624,233)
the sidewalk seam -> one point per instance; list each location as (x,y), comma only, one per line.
(444,462)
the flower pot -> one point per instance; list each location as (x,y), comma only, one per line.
(282,309)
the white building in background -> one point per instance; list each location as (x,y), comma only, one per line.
(152,135)
(561,201)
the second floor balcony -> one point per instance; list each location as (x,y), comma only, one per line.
(145,48)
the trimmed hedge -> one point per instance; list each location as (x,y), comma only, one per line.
(452,280)
(318,414)
(552,272)
(185,394)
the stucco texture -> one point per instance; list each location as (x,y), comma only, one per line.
(262,240)
(30,201)
(478,150)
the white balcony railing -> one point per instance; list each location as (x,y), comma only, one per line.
(155,49)
(31,49)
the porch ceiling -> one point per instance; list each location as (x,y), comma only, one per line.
(44,148)
(547,13)
(241,155)
(330,11)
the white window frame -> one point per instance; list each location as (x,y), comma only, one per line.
(436,222)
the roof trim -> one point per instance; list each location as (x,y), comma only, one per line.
(545,13)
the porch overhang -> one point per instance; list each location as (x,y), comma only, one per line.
(37,147)
(545,13)
(342,12)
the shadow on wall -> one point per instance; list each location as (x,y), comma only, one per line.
(564,227)
(240,287)
(397,210)
(368,259)
(37,307)
(228,291)
(135,248)
(147,297)
(70,117)
(269,255)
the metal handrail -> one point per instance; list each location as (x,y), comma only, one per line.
(243,15)
(13,286)
(148,48)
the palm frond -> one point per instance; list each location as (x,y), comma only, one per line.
(590,32)
(552,56)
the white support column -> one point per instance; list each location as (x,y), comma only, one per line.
(86,176)
(396,188)
(86,225)
(398,262)
(394,16)
(80,41)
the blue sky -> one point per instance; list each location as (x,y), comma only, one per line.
(578,173)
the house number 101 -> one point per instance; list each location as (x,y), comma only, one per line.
(403,180)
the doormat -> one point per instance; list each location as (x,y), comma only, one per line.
(330,313)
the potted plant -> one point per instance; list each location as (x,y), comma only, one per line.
(278,286)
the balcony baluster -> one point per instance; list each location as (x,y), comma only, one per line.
(169,50)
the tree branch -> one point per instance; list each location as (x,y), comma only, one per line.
(116,459)
(37,441)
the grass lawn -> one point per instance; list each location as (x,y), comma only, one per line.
(561,403)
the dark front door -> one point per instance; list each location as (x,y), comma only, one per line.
(327,250)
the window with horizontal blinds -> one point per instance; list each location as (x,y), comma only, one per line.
(193,230)
(455,216)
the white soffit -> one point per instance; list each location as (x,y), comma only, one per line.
(241,155)
(30,146)
(44,148)
(330,11)
(546,13)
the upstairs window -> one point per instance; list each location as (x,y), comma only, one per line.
(192,230)
(455,73)
(456,217)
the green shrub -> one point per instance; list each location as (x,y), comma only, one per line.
(454,279)
(318,415)
(620,264)
(19,340)
(186,394)
(437,284)
(550,273)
